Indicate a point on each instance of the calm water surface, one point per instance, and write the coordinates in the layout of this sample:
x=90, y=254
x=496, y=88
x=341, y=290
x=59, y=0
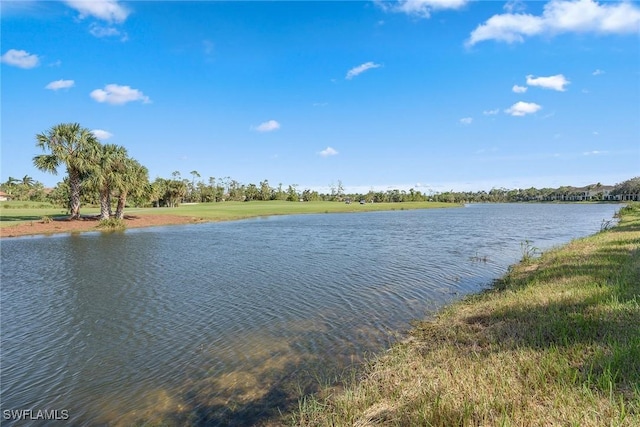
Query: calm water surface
x=222, y=323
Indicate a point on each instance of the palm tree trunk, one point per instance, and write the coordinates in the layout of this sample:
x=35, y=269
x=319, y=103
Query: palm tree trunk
x=122, y=200
x=109, y=204
x=104, y=204
x=74, y=188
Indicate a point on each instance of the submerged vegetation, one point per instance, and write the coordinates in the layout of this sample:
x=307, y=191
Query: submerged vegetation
x=555, y=342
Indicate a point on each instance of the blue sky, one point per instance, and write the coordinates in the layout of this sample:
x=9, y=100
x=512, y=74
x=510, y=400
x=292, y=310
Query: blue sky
x=434, y=94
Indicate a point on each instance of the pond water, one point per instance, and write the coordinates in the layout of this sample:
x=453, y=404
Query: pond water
x=228, y=323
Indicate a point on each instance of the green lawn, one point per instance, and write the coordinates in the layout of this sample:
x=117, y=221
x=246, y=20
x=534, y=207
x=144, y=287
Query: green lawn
x=239, y=210
x=16, y=212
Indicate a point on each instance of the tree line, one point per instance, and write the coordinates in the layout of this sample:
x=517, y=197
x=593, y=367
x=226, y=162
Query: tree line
x=105, y=175
x=595, y=192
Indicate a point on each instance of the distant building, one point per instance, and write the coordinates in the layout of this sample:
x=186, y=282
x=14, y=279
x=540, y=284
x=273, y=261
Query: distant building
x=589, y=193
x=4, y=196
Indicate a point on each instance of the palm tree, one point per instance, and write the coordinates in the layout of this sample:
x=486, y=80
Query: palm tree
x=10, y=184
x=73, y=146
x=107, y=173
x=11, y=181
x=135, y=182
x=157, y=191
x=27, y=181
x=195, y=174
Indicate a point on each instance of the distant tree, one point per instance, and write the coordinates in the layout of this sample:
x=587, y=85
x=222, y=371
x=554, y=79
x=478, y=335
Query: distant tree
x=266, y=191
x=194, y=174
x=10, y=184
x=193, y=191
x=71, y=145
x=310, y=196
x=251, y=192
x=59, y=196
x=292, y=193
x=332, y=190
x=156, y=192
x=168, y=192
x=27, y=181
x=37, y=192
x=11, y=181
x=629, y=187
x=236, y=190
x=280, y=193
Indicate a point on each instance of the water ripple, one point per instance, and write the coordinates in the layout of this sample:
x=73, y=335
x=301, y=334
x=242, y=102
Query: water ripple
x=120, y=327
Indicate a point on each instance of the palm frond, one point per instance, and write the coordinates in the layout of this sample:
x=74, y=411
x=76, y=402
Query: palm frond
x=47, y=163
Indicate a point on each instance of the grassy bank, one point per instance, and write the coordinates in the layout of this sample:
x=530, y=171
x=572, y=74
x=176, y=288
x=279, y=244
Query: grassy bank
x=12, y=213
x=555, y=342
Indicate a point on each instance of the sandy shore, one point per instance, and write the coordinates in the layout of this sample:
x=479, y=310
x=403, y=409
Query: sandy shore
x=90, y=223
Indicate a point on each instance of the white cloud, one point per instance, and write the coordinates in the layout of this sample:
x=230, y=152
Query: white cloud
x=557, y=82
x=523, y=108
x=60, y=84
x=466, y=120
x=508, y=28
x=421, y=8
x=597, y=72
x=593, y=153
x=589, y=15
x=268, y=126
x=560, y=16
x=514, y=6
x=101, y=134
x=328, y=152
x=491, y=112
x=118, y=95
x=519, y=89
x=360, y=69
x=20, y=58
x=105, y=10
x=99, y=31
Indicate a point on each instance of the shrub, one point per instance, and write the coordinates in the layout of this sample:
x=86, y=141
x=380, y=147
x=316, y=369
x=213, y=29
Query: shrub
x=112, y=224
x=528, y=251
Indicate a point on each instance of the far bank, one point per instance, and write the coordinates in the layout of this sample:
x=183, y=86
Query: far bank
x=23, y=219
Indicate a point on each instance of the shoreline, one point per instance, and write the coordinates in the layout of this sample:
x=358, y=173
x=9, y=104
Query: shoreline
x=32, y=224
x=89, y=224
x=555, y=341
